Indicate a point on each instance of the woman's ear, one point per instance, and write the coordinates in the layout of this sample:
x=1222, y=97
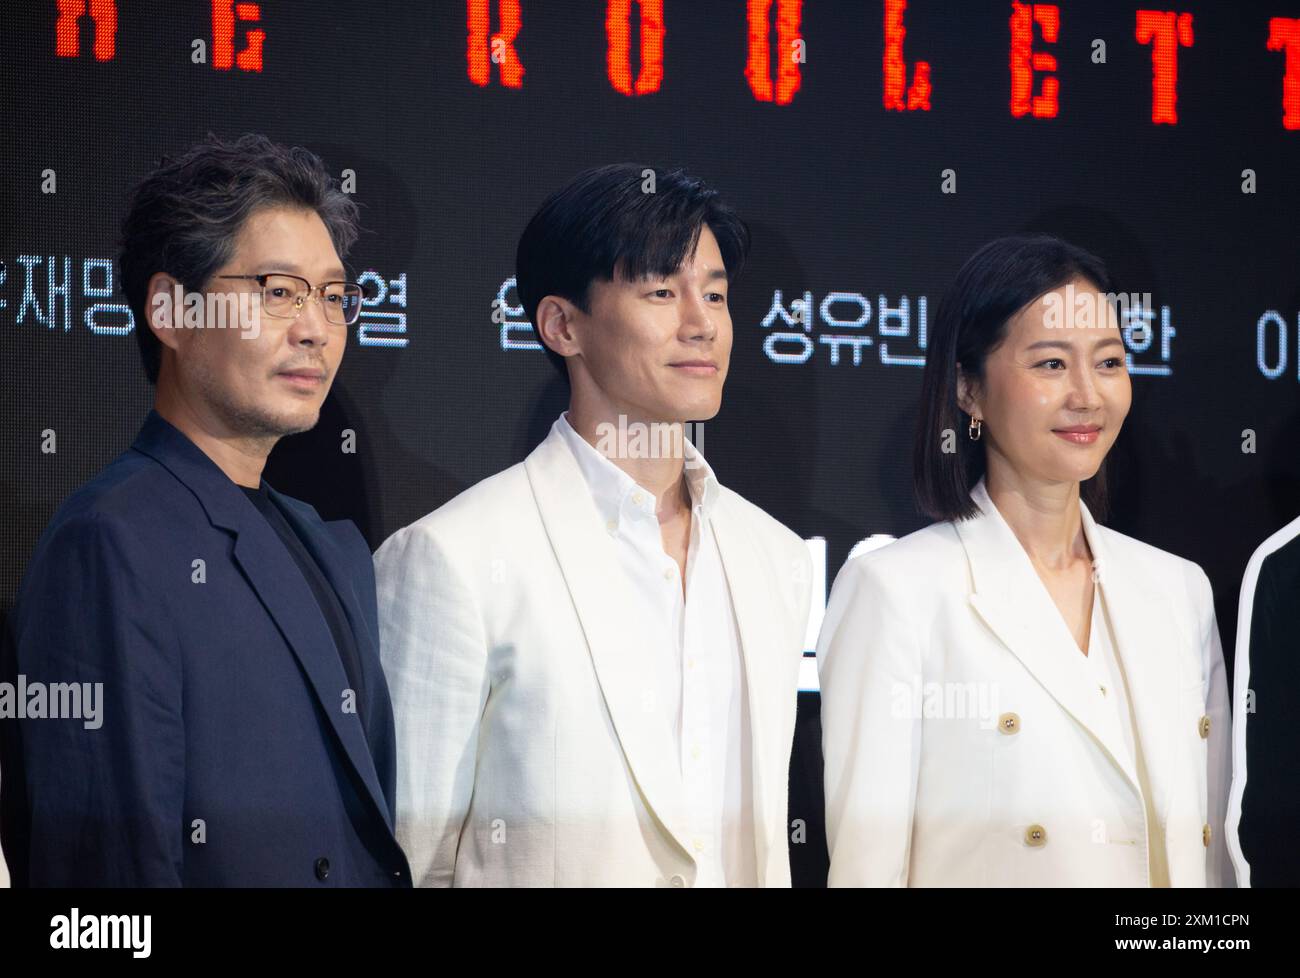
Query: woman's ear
x=968, y=394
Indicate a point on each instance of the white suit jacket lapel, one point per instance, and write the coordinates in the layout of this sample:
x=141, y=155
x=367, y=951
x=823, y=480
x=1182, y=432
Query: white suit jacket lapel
x=622, y=657
x=753, y=597
x=1146, y=637
x=1015, y=604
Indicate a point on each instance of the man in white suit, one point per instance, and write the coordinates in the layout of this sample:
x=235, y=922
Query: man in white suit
x=593, y=655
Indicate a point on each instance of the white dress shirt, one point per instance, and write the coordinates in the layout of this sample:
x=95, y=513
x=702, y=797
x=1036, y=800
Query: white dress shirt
x=700, y=682
x=1106, y=672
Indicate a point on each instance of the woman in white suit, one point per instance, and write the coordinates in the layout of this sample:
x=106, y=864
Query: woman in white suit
x=1017, y=695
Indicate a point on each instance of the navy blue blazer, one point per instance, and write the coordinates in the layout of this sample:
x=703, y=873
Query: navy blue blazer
x=226, y=753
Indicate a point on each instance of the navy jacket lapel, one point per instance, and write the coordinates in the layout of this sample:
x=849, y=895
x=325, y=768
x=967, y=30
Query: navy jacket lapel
x=279, y=584
x=332, y=561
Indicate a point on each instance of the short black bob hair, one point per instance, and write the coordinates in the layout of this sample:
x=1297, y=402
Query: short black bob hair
x=641, y=220
x=996, y=282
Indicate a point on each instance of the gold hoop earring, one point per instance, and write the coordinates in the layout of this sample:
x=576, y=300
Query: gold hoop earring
x=975, y=430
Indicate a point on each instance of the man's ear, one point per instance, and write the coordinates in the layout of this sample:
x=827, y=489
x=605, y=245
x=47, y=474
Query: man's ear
x=556, y=319
x=164, y=307
x=968, y=394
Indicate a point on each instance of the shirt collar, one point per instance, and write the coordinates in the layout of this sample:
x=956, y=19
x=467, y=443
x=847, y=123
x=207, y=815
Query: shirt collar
x=617, y=494
x=703, y=484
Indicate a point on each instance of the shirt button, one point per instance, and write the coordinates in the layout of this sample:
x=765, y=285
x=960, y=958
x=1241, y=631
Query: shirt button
x=677, y=882
x=668, y=575
x=1009, y=723
x=611, y=525
x=1205, y=834
x=1103, y=690
x=699, y=845
x=636, y=498
x=1035, y=836
x=322, y=869
x=1204, y=727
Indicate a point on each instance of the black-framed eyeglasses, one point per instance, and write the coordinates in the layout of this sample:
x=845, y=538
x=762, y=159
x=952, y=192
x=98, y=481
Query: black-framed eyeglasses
x=284, y=295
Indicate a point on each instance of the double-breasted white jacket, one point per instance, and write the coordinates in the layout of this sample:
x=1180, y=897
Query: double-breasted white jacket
x=964, y=746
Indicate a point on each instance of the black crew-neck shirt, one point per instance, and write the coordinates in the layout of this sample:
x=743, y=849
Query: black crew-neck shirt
x=331, y=608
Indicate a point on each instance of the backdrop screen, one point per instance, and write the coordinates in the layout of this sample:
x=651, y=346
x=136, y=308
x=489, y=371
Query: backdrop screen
x=871, y=146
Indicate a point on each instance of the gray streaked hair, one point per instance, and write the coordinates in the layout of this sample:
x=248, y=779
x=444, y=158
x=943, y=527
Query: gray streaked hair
x=185, y=216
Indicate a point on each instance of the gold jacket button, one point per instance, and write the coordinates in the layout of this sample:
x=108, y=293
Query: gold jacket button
x=1035, y=836
x=1009, y=723
x=1205, y=834
x=1204, y=727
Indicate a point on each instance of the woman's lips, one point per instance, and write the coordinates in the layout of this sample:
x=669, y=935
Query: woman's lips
x=1079, y=436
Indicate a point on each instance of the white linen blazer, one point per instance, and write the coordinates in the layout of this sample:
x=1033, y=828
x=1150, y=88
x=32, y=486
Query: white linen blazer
x=1032, y=786
x=529, y=749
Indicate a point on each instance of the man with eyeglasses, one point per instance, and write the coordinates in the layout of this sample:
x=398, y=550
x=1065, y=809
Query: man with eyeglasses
x=245, y=734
